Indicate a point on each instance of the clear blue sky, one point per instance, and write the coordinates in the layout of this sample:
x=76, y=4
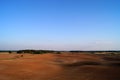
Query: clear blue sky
x=60, y=24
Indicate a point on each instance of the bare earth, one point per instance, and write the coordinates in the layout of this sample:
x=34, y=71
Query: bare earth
x=59, y=67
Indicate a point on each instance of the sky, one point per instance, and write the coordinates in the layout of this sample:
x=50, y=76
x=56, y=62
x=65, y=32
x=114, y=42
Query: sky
x=60, y=24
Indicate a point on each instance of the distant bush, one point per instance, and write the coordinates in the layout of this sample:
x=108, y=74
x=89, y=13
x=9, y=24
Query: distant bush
x=58, y=52
x=10, y=52
x=37, y=52
x=19, y=52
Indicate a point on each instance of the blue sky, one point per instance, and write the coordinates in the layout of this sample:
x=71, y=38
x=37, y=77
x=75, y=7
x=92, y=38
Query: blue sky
x=60, y=24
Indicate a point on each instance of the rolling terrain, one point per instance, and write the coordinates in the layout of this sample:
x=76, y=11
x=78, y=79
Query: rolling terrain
x=65, y=66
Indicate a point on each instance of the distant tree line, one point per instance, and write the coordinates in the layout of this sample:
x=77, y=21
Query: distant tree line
x=93, y=51
x=57, y=52
x=35, y=51
x=9, y=51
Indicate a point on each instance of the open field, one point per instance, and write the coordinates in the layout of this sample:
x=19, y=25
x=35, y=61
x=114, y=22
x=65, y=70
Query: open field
x=65, y=66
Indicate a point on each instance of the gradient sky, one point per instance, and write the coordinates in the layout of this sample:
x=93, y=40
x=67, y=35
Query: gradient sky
x=60, y=24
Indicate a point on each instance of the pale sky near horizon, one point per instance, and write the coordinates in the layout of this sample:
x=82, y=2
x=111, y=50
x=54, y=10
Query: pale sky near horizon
x=60, y=24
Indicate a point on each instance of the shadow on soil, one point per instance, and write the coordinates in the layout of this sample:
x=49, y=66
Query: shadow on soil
x=82, y=63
